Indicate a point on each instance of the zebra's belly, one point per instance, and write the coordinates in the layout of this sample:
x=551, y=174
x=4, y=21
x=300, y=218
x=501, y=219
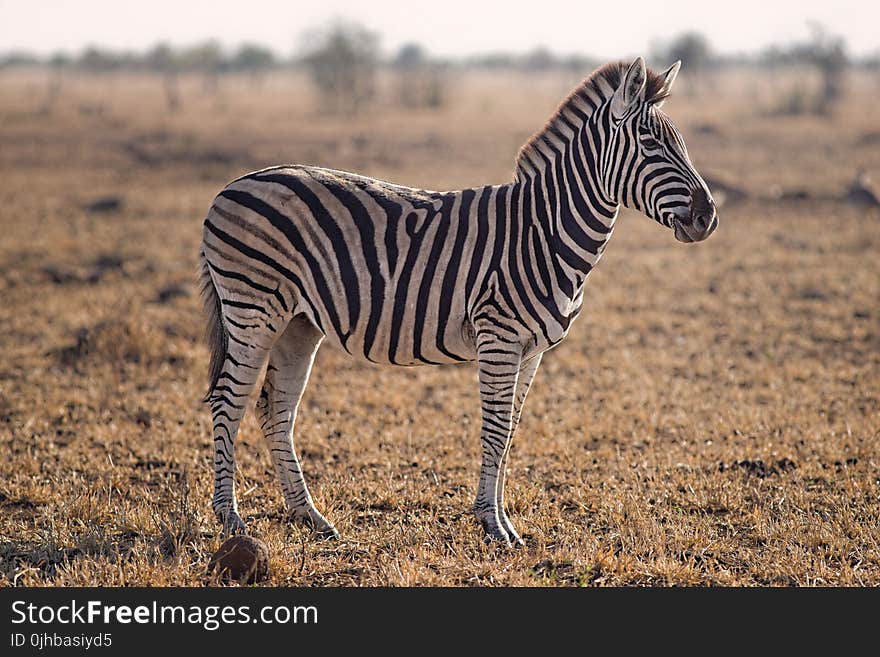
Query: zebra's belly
x=435, y=333
x=425, y=338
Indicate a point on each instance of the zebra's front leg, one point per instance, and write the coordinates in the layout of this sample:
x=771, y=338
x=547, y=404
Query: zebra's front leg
x=524, y=381
x=287, y=374
x=498, y=361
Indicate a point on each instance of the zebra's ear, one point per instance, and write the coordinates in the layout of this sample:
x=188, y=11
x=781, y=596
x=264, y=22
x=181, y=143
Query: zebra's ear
x=631, y=89
x=668, y=76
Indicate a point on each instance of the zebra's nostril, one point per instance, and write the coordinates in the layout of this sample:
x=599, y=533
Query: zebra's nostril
x=702, y=221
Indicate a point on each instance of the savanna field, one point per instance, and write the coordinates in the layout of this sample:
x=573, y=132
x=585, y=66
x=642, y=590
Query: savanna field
x=712, y=418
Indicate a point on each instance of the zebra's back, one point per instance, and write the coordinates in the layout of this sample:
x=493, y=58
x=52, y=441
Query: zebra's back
x=384, y=271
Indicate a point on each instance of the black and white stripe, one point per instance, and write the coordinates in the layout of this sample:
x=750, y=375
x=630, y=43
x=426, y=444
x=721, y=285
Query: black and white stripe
x=295, y=255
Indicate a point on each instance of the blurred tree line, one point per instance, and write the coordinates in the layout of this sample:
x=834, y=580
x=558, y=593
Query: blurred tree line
x=344, y=59
x=822, y=51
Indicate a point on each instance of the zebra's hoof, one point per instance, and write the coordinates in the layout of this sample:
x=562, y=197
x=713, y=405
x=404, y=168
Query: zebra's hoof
x=493, y=534
x=512, y=534
x=319, y=525
x=328, y=533
x=496, y=539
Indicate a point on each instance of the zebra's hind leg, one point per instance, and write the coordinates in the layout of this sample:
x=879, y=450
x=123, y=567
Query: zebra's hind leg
x=290, y=363
x=524, y=381
x=498, y=360
x=228, y=400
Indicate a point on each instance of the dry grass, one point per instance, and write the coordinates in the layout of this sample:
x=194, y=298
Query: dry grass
x=713, y=417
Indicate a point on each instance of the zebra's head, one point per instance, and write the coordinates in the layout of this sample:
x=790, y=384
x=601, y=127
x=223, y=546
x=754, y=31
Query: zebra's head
x=648, y=168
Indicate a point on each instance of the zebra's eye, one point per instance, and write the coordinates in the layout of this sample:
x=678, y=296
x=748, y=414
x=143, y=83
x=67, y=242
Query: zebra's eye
x=650, y=143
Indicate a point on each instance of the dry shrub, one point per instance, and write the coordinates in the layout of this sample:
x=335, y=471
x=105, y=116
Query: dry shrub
x=795, y=102
x=179, y=527
x=123, y=340
x=342, y=61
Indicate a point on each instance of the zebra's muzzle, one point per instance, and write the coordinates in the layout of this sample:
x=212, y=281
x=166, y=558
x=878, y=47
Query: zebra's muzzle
x=694, y=230
x=700, y=222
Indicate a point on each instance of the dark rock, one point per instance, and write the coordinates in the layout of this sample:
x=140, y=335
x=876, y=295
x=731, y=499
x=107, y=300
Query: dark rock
x=243, y=559
x=759, y=468
x=173, y=291
x=106, y=204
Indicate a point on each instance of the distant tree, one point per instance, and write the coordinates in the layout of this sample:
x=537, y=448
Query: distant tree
x=57, y=64
x=59, y=60
x=492, y=61
x=410, y=56
x=824, y=52
x=164, y=61
x=162, y=58
x=696, y=57
x=539, y=59
x=19, y=58
x=252, y=57
x=343, y=61
x=97, y=60
x=419, y=80
x=205, y=58
x=254, y=60
x=692, y=49
x=828, y=54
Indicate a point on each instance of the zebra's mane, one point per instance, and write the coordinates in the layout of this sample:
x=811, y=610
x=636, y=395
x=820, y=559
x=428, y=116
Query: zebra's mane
x=597, y=87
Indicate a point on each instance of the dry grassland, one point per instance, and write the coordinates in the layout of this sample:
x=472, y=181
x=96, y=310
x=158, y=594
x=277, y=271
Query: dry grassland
x=712, y=419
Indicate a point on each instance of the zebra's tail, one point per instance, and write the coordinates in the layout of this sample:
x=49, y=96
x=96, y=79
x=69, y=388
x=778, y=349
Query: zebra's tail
x=215, y=331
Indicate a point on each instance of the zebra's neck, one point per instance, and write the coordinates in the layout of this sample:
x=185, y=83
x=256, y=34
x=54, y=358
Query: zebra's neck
x=560, y=171
x=563, y=166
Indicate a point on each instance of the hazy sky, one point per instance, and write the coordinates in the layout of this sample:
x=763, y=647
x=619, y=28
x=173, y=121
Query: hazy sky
x=445, y=27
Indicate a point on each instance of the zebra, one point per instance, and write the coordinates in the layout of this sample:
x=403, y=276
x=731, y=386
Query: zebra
x=294, y=255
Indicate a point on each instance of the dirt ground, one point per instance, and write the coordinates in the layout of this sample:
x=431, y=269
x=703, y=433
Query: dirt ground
x=712, y=418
